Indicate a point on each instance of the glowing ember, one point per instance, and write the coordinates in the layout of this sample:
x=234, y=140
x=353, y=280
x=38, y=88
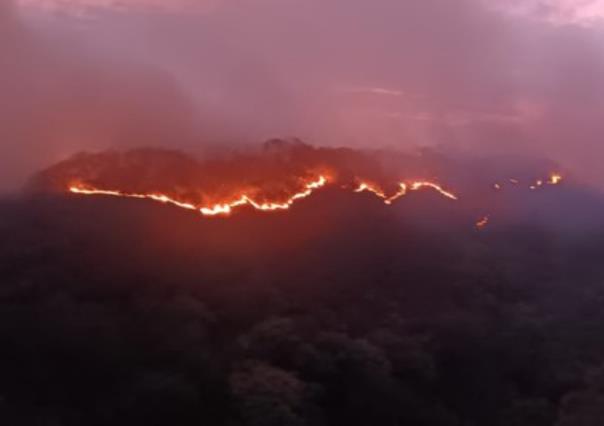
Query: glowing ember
x=554, y=179
x=482, y=223
x=156, y=197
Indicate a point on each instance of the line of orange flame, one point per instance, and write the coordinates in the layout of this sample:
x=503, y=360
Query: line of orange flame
x=309, y=188
x=227, y=208
x=404, y=188
x=215, y=210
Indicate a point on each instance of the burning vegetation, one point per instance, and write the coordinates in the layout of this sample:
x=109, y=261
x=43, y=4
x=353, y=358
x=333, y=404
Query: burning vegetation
x=272, y=179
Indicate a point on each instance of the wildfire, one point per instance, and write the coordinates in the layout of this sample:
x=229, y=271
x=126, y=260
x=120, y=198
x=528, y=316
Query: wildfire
x=419, y=185
x=225, y=209
x=368, y=187
x=400, y=193
x=404, y=188
x=309, y=187
x=82, y=190
x=555, y=179
x=482, y=223
x=215, y=210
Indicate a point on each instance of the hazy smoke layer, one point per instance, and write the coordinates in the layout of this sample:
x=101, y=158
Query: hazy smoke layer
x=462, y=74
x=60, y=96
x=275, y=170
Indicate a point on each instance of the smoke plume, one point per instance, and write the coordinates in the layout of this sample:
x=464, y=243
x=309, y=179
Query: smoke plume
x=520, y=78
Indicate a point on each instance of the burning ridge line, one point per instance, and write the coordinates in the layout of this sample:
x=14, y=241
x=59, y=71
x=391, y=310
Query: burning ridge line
x=225, y=209
x=214, y=210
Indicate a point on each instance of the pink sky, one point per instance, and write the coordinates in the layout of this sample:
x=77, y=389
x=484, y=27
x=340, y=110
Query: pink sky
x=575, y=11
x=465, y=74
x=582, y=12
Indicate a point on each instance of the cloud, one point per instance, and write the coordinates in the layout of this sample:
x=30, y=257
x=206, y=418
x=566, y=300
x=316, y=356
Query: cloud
x=91, y=8
x=559, y=12
x=380, y=91
x=585, y=12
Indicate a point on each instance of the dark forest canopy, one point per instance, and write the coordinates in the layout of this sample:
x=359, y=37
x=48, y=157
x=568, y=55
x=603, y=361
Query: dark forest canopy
x=120, y=312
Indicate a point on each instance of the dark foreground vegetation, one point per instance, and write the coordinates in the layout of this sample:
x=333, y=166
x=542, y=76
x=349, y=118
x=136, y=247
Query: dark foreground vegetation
x=117, y=312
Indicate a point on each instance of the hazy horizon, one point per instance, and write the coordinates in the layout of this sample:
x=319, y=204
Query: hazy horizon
x=522, y=78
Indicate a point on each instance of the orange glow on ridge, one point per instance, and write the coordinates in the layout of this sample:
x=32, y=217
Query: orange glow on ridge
x=404, y=188
x=226, y=208
x=215, y=210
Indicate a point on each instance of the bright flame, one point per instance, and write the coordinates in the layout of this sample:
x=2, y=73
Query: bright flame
x=419, y=185
x=217, y=209
x=400, y=193
x=368, y=187
x=554, y=179
x=224, y=209
x=227, y=208
x=404, y=188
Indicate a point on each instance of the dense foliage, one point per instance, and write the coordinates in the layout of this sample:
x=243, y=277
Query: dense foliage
x=124, y=313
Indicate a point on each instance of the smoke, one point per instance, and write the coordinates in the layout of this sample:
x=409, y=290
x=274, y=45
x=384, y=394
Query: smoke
x=461, y=75
x=61, y=96
x=276, y=172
